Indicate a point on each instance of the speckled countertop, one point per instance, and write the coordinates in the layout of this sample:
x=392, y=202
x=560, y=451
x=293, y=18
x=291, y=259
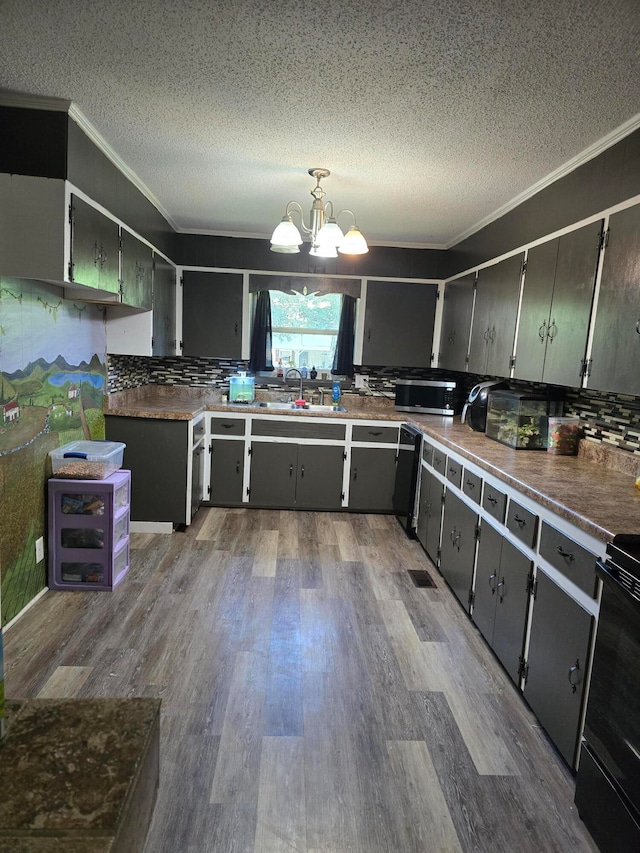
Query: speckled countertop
x=73, y=769
x=586, y=490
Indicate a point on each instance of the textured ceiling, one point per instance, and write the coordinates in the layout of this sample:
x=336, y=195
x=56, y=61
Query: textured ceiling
x=432, y=115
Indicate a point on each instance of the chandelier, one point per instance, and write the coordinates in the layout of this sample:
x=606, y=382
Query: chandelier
x=327, y=238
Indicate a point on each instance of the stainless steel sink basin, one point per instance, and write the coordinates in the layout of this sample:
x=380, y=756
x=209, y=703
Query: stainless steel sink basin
x=310, y=407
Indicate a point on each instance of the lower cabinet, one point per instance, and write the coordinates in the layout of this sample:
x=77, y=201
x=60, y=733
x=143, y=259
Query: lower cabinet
x=158, y=453
x=501, y=597
x=430, y=514
x=197, y=476
x=372, y=478
x=458, y=547
x=299, y=476
x=227, y=471
x=555, y=672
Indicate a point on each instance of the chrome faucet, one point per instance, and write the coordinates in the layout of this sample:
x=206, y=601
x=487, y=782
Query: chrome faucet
x=321, y=396
x=299, y=372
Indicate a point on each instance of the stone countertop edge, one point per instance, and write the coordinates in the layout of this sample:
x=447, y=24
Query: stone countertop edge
x=596, y=499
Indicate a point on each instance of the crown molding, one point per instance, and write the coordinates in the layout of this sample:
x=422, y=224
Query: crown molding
x=8, y=98
x=205, y=232
x=581, y=158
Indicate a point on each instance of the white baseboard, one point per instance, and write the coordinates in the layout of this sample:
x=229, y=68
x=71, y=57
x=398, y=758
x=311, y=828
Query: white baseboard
x=151, y=527
x=24, y=609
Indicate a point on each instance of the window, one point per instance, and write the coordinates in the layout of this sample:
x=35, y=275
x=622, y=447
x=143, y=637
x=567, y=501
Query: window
x=305, y=328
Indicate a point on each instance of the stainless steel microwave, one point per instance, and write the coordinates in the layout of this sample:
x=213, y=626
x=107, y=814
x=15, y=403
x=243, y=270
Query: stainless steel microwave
x=429, y=396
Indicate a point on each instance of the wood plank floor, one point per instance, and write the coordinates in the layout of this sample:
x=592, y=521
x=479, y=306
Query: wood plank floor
x=313, y=698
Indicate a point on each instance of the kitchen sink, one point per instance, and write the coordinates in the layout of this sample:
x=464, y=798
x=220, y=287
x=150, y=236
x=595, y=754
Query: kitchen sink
x=310, y=407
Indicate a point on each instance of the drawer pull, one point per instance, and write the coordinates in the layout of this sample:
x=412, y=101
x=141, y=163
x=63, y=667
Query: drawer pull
x=470, y=485
x=237, y=466
x=453, y=470
x=227, y=426
x=492, y=585
x=566, y=554
x=574, y=682
x=492, y=500
x=291, y=470
x=302, y=473
x=437, y=460
x=520, y=521
x=375, y=432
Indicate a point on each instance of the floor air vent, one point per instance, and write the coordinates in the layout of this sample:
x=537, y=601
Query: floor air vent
x=420, y=577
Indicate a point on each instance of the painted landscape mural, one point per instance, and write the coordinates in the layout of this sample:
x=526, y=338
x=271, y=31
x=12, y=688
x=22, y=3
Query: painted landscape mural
x=52, y=379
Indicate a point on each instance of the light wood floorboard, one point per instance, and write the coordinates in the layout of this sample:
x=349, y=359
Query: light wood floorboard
x=313, y=699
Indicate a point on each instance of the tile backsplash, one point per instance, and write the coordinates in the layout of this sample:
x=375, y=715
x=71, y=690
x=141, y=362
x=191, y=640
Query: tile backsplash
x=610, y=418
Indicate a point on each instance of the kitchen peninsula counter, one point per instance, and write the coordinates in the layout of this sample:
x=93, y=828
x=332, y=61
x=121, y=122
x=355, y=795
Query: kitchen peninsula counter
x=582, y=489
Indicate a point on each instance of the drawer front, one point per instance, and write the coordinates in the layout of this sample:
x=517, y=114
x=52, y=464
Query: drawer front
x=427, y=452
x=472, y=486
x=439, y=461
x=495, y=502
x=227, y=426
x=384, y=435
x=454, y=472
x=293, y=428
x=522, y=523
x=575, y=562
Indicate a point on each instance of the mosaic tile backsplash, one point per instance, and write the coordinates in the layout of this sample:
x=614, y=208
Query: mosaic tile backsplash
x=610, y=418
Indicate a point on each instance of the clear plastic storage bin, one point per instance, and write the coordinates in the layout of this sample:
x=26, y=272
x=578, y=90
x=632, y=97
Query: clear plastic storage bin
x=564, y=436
x=87, y=460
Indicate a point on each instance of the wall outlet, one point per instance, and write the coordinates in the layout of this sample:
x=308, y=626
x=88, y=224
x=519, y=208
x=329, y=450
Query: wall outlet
x=361, y=381
x=40, y=549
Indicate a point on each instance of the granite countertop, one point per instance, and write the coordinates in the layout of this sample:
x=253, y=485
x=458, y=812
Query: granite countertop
x=72, y=772
x=583, y=489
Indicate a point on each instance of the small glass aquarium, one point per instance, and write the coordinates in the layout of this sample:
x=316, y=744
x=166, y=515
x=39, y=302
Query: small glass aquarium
x=520, y=419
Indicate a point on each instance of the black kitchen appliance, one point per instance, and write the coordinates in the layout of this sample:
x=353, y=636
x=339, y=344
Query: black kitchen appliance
x=406, y=485
x=427, y=396
x=608, y=780
x=474, y=411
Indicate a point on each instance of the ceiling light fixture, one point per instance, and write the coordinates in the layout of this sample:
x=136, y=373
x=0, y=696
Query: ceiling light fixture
x=327, y=238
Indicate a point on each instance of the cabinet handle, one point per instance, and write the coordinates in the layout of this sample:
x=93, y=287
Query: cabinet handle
x=453, y=470
x=500, y=594
x=368, y=335
x=237, y=466
x=236, y=329
x=572, y=670
x=302, y=472
x=492, y=500
x=566, y=554
x=520, y=521
x=437, y=461
x=96, y=254
x=470, y=484
x=486, y=335
x=355, y=474
x=492, y=585
x=542, y=331
x=552, y=326
x=492, y=334
x=375, y=432
x=227, y=426
x=638, y=327
x=291, y=470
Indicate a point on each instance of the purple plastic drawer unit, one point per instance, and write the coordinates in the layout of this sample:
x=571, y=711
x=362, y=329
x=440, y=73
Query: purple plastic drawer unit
x=89, y=532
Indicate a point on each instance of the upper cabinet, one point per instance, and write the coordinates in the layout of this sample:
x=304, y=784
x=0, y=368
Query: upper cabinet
x=212, y=314
x=95, y=248
x=556, y=307
x=456, y=323
x=494, y=318
x=137, y=272
x=163, y=341
x=615, y=353
x=398, y=324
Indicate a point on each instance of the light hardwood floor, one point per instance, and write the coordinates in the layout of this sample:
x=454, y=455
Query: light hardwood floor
x=313, y=699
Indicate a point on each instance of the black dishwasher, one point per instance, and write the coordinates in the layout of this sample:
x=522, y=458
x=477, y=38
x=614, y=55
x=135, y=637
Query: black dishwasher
x=406, y=485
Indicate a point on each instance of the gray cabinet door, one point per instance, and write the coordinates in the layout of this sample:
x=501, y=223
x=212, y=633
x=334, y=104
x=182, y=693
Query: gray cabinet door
x=227, y=472
x=137, y=272
x=494, y=318
x=536, y=306
x=456, y=323
x=434, y=522
x=164, y=307
x=95, y=248
x=512, y=601
x=616, y=339
x=273, y=474
x=458, y=547
x=557, y=663
x=212, y=314
x=319, y=481
x=372, y=479
x=573, y=287
x=423, y=508
x=398, y=324
x=487, y=575
x=197, y=461
x=157, y=454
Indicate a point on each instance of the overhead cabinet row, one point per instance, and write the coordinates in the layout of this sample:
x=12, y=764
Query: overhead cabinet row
x=573, y=325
